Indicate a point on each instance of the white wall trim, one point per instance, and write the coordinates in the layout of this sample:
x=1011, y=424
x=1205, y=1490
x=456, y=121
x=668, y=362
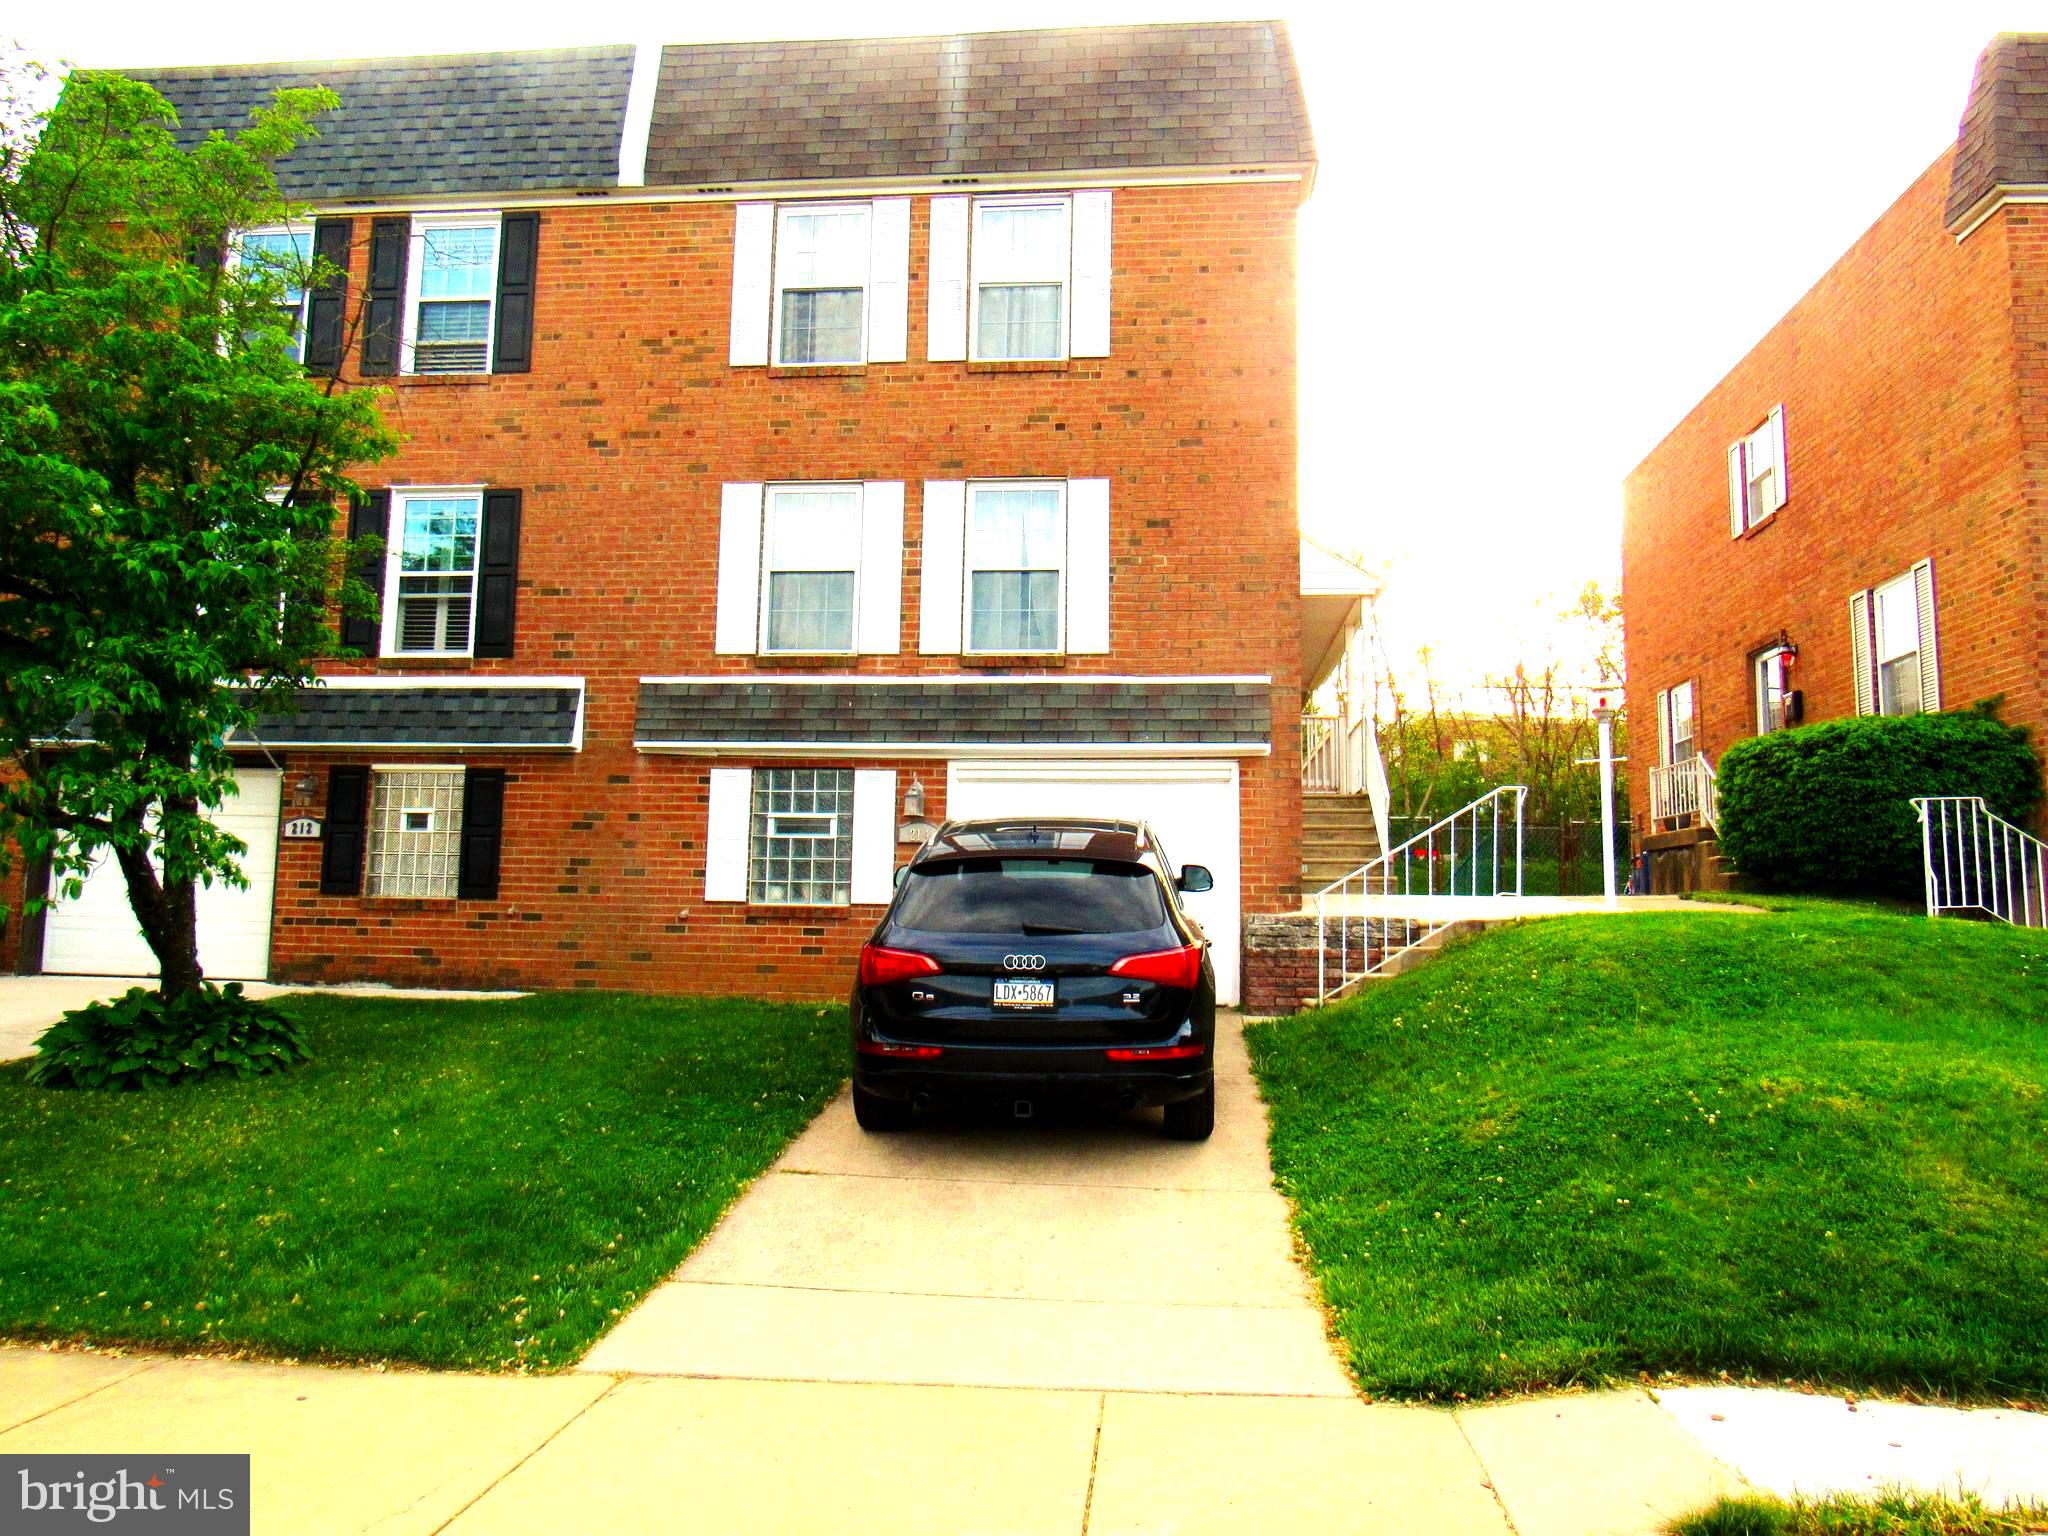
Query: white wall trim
x=639, y=121
x=829, y=751
x=441, y=680
x=1994, y=200
x=874, y=679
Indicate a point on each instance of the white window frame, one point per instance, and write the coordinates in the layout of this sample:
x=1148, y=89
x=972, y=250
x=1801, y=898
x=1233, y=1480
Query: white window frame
x=234, y=261
x=756, y=786
x=415, y=266
x=977, y=275
x=1904, y=589
x=1673, y=757
x=1759, y=687
x=374, y=847
x=968, y=567
x=783, y=213
x=1748, y=506
x=394, y=548
x=764, y=615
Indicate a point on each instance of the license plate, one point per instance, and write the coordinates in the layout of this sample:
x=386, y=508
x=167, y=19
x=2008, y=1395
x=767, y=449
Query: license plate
x=1023, y=994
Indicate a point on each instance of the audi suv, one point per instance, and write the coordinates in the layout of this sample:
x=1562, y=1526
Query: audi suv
x=1022, y=962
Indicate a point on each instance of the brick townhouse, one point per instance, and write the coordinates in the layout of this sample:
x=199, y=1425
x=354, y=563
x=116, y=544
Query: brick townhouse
x=804, y=442
x=1855, y=519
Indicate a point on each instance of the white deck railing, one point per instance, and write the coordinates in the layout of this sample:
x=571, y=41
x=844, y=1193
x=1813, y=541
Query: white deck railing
x=1383, y=909
x=1976, y=861
x=1322, y=753
x=1685, y=789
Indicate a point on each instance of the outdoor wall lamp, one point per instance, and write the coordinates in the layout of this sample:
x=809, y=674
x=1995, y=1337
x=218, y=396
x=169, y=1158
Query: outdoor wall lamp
x=913, y=801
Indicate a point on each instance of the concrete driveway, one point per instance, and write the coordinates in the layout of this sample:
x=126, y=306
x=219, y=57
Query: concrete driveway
x=1090, y=1254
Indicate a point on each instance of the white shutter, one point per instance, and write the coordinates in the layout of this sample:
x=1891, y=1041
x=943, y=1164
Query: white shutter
x=874, y=836
x=889, y=280
x=1088, y=329
x=879, y=628
x=739, y=569
x=1738, y=490
x=946, y=282
x=1087, y=567
x=1777, y=426
x=944, y=547
x=753, y=276
x=1664, y=726
x=727, y=828
x=1930, y=662
x=1860, y=653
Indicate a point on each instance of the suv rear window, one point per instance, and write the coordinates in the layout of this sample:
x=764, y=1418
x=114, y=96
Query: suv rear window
x=1002, y=895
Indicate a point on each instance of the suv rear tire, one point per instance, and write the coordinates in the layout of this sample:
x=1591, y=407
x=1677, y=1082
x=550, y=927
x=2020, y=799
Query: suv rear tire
x=874, y=1113
x=1192, y=1119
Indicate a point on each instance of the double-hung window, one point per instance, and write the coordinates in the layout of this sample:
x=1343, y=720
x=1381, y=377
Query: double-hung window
x=801, y=843
x=285, y=255
x=822, y=259
x=810, y=564
x=453, y=294
x=1678, y=731
x=430, y=571
x=1773, y=673
x=1022, y=258
x=1897, y=633
x=1756, y=474
x=1016, y=566
x=414, y=846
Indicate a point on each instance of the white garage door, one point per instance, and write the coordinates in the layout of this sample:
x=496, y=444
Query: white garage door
x=1191, y=805
x=96, y=934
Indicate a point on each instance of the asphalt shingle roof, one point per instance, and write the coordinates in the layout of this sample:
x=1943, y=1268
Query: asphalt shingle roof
x=1066, y=100
x=540, y=718
x=453, y=124
x=2003, y=140
x=1037, y=712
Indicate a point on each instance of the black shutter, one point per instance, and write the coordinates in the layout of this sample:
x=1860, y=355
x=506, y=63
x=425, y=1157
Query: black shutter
x=497, y=576
x=385, y=316
x=483, y=834
x=518, y=245
x=327, y=304
x=343, y=836
x=368, y=516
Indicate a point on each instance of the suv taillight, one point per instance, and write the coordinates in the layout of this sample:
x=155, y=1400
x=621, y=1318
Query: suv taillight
x=879, y=966
x=1169, y=967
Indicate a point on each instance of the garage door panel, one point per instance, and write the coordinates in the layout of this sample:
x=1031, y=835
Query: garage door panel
x=1191, y=804
x=95, y=933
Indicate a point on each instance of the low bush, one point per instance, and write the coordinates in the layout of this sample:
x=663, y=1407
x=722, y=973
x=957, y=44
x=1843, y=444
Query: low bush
x=140, y=1041
x=1829, y=807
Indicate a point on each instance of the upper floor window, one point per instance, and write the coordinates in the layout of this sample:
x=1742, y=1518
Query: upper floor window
x=453, y=293
x=431, y=564
x=1756, y=474
x=287, y=256
x=1016, y=563
x=810, y=567
x=1772, y=670
x=1022, y=255
x=450, y=293
x=822, y=262
x=1892, y=644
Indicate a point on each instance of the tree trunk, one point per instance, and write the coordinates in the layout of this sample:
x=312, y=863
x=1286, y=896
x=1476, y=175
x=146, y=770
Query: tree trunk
x=167, y=912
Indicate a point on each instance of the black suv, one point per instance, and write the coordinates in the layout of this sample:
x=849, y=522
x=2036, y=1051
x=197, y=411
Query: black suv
x=1023, y=961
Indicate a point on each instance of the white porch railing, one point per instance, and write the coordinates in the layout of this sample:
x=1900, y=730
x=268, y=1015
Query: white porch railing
x=1685, y=789
x=1385, y=908
x=1322, y=753
x=1976, y=861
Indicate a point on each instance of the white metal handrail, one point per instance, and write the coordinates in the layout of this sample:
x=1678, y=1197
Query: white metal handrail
x=1685, y=788
x=1428, y=866
x=1976, y=861
x=1322, y=753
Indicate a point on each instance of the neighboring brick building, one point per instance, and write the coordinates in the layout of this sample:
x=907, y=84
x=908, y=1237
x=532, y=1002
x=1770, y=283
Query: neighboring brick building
x=1855, y=520
x=803, y=441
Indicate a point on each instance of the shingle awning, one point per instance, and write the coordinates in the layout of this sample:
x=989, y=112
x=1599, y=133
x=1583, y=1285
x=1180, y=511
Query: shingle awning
x=466, y=715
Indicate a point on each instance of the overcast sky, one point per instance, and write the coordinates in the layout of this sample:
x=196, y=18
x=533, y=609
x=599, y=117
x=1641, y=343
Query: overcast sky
x=1539, y=232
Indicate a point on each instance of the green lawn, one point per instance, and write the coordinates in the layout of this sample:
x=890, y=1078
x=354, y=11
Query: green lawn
x=1811, y=1143
x=482, y=1184
x=1892, y=1515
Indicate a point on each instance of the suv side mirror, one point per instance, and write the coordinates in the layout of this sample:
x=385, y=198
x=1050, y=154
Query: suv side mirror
x=1195, y=878
x=902, y=870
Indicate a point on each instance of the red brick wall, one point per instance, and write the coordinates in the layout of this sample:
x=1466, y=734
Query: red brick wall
x=621, y=438
x=1908, y=436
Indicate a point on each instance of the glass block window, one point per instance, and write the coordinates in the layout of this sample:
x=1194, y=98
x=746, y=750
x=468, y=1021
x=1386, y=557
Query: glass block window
x=458, y=285
x=810, y=552
x=415, y=844
x=433, y=550
x=1016, y=557
x=802, y=842
x=286, y=256
x=1021, y=257
x=821, y=279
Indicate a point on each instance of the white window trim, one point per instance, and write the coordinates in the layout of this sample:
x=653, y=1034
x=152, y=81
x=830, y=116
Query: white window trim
x=753, y=785
x=394, y=547
x=968, y=568
x=234, y=261
x=783, y=212
x=1756, y=677
x=1742, y=454
x=1065, y=201
x=763, y=571
x=1906, y=587
x=415, y=262
x=1671, y=719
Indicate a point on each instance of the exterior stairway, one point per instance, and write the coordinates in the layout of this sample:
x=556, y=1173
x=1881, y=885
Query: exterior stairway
x=1337, y=836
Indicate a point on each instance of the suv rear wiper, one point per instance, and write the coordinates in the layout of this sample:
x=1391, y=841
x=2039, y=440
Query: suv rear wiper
x=1042, y=930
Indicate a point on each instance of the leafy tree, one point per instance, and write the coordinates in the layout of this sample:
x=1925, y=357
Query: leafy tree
x=168, y=476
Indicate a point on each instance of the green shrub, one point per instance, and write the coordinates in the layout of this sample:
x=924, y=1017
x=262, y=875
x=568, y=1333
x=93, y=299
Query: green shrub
x=1828, y=807
x=138, y=1041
